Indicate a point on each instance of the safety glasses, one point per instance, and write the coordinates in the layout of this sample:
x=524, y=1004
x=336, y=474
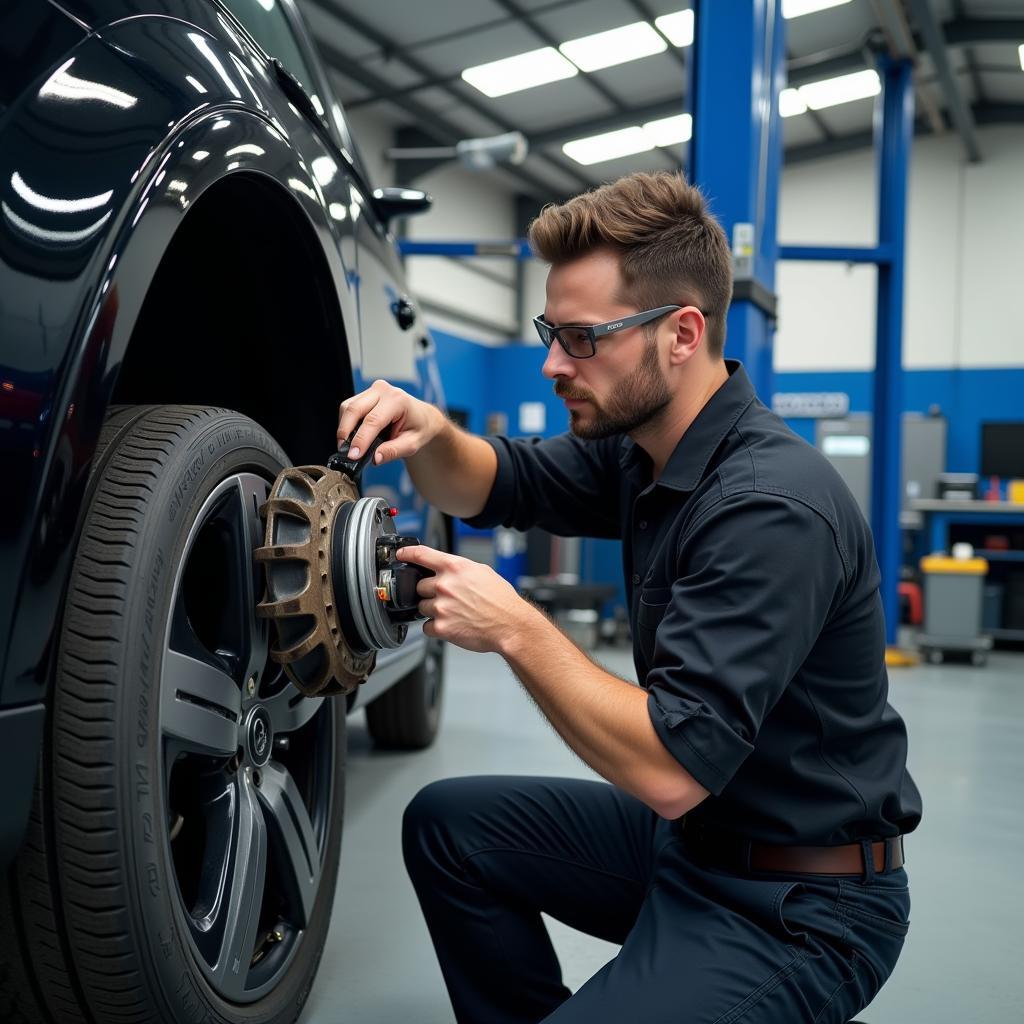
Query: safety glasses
x=580, y=340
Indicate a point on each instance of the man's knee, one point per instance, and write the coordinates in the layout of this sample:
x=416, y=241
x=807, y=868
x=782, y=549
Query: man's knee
x=430, y=822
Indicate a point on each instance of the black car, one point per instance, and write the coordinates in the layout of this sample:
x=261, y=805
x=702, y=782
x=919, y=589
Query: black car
x=194, y=272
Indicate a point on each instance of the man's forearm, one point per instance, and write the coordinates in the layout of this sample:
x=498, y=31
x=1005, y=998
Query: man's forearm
x=455, y=471
x=604, y=719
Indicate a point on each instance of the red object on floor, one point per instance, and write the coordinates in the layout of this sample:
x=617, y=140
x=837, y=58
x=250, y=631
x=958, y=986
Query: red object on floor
x=915, y=604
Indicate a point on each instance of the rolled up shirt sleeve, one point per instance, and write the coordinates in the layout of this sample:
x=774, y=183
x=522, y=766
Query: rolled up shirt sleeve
x=758, y=577
x=565, y=485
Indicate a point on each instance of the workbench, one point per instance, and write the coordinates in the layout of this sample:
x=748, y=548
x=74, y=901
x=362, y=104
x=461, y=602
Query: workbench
x=940, y=515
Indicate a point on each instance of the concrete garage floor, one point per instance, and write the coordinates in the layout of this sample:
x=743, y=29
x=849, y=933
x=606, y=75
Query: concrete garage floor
x=962, y=961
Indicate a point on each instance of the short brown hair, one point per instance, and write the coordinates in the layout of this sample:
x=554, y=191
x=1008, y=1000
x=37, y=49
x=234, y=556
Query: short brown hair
x=671, y=249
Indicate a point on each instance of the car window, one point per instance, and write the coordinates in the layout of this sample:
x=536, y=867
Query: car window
x=268, y=24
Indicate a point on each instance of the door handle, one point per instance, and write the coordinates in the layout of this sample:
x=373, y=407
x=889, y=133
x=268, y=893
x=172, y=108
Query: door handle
x=404, y=312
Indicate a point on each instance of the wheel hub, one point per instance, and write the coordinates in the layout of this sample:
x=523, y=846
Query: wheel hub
x=258, y=739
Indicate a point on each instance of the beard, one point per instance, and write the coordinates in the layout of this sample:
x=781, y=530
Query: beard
x=633, y=403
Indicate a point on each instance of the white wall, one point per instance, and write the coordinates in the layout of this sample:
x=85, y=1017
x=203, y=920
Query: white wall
x=964, y=268
x=467, y=207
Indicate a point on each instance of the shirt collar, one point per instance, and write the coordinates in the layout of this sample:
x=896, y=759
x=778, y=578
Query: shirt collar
x=689, y=460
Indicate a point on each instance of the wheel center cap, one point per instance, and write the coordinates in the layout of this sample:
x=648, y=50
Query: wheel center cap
x=259, y=736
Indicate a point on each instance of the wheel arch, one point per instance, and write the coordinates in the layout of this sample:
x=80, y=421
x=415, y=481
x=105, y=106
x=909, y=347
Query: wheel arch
x=242, y=313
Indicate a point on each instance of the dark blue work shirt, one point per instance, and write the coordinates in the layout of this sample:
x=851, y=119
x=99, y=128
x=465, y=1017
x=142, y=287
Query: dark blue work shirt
x=757, y=622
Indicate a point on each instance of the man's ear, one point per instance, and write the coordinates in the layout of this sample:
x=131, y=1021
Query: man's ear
x=690, y=327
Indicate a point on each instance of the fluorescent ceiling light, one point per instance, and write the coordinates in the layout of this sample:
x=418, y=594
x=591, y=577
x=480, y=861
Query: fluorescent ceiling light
x=524, y=71
x=1020, y=51
x=670, y=131
x=616, y=46
x=833, y=91
x=797, y=8
x=791, y=103
x=677, y=26
x=595, y=148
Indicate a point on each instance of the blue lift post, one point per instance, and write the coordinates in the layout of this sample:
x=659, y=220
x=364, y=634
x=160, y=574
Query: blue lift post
x=736, y=70
x=894, y=127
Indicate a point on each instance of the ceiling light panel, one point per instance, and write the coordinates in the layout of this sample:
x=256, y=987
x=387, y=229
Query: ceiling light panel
x=523, y=71
x=833, y=91
x=670, y=131
x=791, y=103
x=1020, y=53
x=616, y=46
x=678, y=26
x=596, y=148
x=798, y=8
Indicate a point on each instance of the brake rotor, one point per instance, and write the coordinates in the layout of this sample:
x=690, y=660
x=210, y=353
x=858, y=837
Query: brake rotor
x=311, y=645
x=336, y=591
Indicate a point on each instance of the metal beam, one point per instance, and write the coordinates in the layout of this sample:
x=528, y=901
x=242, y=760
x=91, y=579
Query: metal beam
x=964, y=31
x=998, y=113
x=903, y=45
x=959, y=111
x=595, y=84
x=378, y=38
x=972, y=67
x=606, y=122
x=450, y=36
x=892, y=154
x=446, y=131
x=984, y=113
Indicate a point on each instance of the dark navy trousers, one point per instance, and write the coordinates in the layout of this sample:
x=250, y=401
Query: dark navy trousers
x=487, y=854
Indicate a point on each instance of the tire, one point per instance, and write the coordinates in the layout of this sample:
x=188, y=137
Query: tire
x=182, y=852
x=407, y=715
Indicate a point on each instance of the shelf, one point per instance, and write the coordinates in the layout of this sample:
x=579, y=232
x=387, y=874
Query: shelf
x=944, y=505
x=1006, y=634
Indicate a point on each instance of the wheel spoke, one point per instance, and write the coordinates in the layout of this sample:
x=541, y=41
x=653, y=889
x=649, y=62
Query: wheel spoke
x=245, y=636
x=290, y=711
x=238, y=912
x=293, y=841
x=245, y=535
x=200, y=705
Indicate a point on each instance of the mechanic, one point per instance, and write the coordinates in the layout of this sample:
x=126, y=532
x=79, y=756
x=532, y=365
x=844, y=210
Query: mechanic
x=746, y=849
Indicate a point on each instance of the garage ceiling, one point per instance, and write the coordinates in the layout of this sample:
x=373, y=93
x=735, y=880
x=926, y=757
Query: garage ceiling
x=404, y=62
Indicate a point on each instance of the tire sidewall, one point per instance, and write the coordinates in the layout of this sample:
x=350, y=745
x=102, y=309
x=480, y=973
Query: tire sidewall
x=225, y=444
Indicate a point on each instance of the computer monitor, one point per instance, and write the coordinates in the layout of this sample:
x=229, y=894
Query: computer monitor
x=1002, y=449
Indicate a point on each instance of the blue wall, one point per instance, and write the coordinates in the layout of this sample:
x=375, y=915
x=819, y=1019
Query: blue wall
x=966, y=397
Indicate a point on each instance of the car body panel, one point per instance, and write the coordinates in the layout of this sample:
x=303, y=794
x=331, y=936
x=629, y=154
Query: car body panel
x=102, y=152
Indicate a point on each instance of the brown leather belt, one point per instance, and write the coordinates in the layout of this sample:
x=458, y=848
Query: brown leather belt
x=737, y=854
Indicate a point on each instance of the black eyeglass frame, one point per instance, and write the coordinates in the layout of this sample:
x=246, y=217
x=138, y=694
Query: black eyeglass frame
x=548, y=333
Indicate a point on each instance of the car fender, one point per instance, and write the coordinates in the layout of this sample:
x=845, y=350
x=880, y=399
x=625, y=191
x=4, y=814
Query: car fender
x=74, y=270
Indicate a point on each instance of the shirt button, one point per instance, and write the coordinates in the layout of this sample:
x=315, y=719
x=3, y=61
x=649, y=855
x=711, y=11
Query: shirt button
x=636, y=579
x=642, y=524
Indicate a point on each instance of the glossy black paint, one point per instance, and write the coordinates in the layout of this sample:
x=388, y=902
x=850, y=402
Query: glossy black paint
x=115, y=118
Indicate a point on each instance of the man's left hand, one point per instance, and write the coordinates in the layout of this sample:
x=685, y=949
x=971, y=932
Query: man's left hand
x=466, y=603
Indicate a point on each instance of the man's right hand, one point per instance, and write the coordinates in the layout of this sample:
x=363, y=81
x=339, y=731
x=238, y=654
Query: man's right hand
x=413, y=423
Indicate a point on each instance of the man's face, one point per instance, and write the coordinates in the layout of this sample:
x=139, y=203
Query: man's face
x=622, y=387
